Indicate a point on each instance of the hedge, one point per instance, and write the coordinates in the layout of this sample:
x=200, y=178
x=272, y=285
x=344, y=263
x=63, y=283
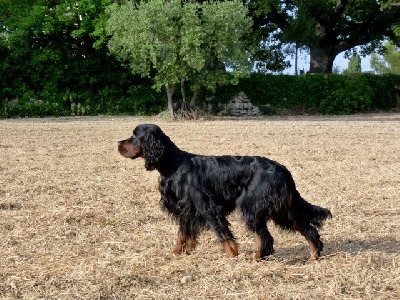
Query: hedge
x=318, y=93
x=136, y=100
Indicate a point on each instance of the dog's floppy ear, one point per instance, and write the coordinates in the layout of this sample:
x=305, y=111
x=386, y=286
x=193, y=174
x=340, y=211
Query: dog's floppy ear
x=153, y=148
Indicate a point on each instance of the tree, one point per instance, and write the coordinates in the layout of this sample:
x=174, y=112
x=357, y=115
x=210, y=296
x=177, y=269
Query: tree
x=354, y=65
x=328, y=27
x=48, y=51
x=177, y=42
x=388, y=63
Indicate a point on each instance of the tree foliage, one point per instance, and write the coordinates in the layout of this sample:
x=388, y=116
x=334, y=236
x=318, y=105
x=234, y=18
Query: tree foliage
x=328, y=27
x=47, y=53
x=177, y=42
x=54, y=56
x=389, y=62
x=354, y=65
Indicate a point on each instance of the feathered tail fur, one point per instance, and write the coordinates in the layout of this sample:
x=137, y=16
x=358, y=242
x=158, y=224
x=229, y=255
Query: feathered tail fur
x=307, y=212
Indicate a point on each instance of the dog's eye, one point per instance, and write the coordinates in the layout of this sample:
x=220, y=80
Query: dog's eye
x=135, y=141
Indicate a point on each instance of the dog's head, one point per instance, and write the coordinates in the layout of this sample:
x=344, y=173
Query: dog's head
x=146, y=142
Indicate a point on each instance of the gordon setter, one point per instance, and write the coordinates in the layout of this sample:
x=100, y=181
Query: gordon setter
x=200, y=191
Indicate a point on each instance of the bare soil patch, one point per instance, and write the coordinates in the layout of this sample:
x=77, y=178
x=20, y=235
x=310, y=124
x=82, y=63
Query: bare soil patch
x=77, y=220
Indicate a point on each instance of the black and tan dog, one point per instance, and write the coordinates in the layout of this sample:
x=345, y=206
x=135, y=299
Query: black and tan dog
x=200, y=191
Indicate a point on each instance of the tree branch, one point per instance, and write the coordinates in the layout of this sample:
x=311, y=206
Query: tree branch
x=277, y=18
x=362, y=33
x=339, y=9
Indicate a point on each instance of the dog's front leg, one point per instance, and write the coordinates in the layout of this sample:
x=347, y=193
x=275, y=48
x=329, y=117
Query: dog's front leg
x=180, y=243
x=184, y=243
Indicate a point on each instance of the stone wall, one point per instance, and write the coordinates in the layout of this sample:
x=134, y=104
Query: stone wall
x=240, y=105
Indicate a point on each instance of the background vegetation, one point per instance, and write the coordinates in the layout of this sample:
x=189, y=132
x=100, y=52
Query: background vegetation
x=55, y=58
x=275, y=94
x=318, y=93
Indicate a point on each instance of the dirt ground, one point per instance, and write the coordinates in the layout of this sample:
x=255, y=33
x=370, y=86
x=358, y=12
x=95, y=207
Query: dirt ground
x=78, y=221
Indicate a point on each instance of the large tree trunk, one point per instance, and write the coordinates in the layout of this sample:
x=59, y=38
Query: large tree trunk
x=170, y=93
x=321, y=60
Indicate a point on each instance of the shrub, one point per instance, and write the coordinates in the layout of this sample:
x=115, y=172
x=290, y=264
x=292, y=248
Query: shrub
x=31, y=107
x=353, y=96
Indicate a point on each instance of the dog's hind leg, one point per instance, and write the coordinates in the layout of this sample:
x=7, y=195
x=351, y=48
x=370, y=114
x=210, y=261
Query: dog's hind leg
x=230, y=247
x=265, y=243
x=257, y=222
x=312, y=236
x=265, y=246
x=306, y=218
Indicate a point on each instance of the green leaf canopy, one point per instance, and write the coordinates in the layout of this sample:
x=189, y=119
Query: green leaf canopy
x=178, y=40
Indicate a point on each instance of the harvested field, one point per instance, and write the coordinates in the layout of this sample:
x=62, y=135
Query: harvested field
x=78, y=221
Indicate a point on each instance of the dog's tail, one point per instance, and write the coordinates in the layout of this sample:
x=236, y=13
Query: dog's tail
x=305, y=211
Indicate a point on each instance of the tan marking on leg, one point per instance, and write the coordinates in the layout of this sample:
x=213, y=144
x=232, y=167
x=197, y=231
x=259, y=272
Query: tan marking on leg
x=234, y=247
x=190, y=244
x=226, y=245
x=257, y=255
x=313, y=251
x=180, y=244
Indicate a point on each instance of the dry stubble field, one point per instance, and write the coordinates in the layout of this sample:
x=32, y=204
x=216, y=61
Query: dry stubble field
x=78, y=221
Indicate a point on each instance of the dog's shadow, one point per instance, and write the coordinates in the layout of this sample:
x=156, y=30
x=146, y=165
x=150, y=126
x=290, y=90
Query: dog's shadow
x=386, y=245
x=347, y=246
